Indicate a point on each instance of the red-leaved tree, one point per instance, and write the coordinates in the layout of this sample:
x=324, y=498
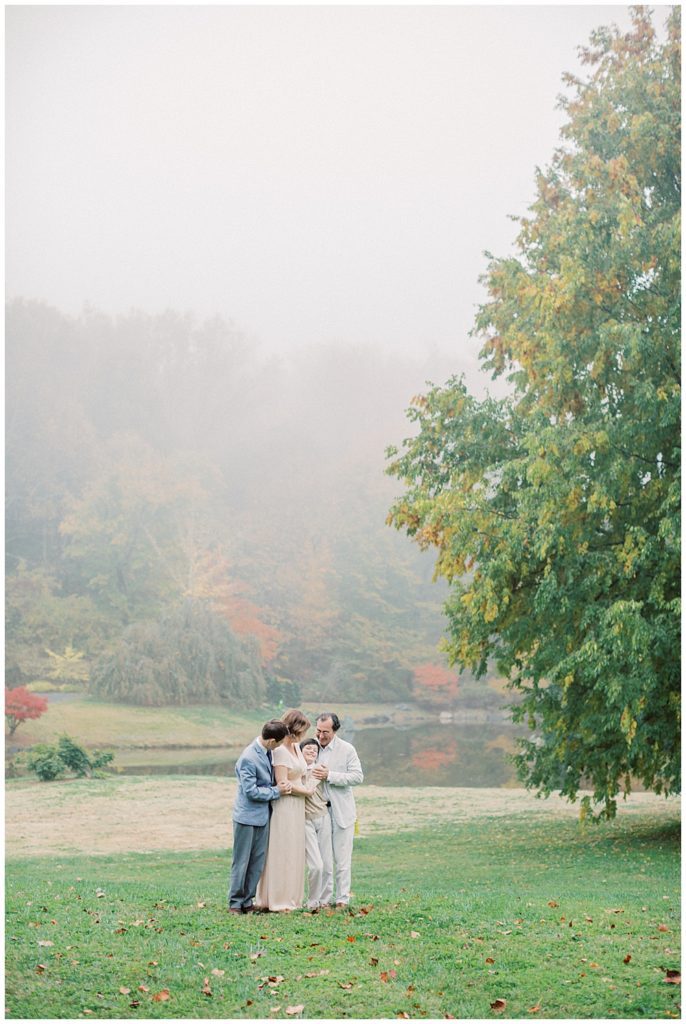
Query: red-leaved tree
x=21, y=704
x=434, y=685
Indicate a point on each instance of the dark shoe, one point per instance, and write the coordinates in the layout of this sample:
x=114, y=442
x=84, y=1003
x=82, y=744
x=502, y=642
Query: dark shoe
x=235, y=910
x=249, y=910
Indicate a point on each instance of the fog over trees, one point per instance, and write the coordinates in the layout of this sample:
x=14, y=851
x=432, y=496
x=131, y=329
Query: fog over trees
x=192, y=518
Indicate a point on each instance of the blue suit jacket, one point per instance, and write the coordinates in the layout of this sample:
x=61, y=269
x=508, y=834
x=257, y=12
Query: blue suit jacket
x=255, y=789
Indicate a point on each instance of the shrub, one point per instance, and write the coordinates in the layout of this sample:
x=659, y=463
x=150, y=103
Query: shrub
x=46, y=762
x=53, y=762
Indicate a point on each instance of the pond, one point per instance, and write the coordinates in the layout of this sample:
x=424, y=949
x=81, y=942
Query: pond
x=433, y=754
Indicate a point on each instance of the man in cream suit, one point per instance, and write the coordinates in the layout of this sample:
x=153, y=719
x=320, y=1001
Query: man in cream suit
x=339, y=768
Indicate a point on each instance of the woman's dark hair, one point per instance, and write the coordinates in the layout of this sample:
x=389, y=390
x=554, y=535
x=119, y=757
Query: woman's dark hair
x=274, y=729
x=335, y=721
x=311, y=742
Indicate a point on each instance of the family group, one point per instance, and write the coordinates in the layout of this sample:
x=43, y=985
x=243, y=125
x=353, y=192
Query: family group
x=294, y=815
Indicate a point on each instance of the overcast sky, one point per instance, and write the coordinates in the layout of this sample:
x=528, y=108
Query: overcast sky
x=314, y=173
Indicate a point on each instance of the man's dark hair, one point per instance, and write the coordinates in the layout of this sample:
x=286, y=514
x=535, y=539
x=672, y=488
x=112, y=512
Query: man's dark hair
x=335, y=721
x=311, y=742
x=274, y=730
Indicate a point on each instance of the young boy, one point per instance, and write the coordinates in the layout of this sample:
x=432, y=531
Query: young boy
x=318, y=849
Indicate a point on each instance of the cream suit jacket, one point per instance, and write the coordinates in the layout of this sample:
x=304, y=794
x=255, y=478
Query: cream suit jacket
x=345, y=771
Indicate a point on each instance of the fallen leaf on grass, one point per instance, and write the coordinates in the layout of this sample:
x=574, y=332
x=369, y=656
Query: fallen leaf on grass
x=272, y=980
x=218, y=973
x=124, y=991
x=40, y=968
x=293, y=1010
x=490, y=960
x=161, y=997
x=274, y=1009
x=351, y=938
x=662, y=928
x=385, y=975
x=45, y=942
x=403, y=1015
x=367, y=909
x=594, y=965
x=414, y=935
x=135, y=1003
x=201, y=905
x=373, y=960
x=627, y=958
x=345, y=984
x=143, y=988
x=614, y=910
x=499, y=1005
x=535, y=1009
x=206, y=990
x=553, y=903
x=673, y=977
x=255, y=956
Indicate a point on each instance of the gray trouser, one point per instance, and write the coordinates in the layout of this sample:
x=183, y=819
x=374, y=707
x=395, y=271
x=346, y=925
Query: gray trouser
x=249, y=855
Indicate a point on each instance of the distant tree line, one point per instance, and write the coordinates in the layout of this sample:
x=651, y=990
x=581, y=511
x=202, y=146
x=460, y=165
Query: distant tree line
x=191, y=520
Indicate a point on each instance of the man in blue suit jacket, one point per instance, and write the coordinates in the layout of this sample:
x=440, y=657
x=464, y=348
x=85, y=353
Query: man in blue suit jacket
x=251, y=810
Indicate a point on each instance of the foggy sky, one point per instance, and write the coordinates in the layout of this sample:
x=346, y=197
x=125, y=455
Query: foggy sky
x=316, y=174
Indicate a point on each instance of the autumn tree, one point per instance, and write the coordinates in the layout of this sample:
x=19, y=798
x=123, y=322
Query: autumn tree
x=20, y=705
x=188, y=656
x=555, y=511
x=435, y=685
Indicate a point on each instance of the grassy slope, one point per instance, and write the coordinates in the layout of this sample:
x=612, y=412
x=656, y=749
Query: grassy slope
x=95, y=723
x=540, y=914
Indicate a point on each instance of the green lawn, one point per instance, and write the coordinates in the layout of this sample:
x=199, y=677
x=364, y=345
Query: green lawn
x=554, y=920
x=96, y=723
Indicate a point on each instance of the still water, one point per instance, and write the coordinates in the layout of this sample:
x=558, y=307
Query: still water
x=434, y=754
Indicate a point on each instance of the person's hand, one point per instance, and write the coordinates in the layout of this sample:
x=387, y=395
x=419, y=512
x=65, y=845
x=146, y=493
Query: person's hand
x=320, y=771
x=284, y=788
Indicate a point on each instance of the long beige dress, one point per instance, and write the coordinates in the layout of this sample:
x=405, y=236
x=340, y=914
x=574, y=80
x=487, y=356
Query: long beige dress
x=282, y=885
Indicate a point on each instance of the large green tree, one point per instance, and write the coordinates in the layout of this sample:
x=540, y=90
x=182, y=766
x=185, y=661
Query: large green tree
x=555, y=510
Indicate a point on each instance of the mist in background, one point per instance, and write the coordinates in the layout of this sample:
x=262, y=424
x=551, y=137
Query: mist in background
x=316, y=173
x=239, y=240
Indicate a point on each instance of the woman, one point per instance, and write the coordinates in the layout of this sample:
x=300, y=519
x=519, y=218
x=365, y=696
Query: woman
x=282, y=885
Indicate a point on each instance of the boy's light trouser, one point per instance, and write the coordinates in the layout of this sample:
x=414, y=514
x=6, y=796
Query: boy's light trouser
x=317, y=852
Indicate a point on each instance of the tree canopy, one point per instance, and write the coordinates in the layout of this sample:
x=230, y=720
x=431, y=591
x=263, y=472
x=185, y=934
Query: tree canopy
x=555, y=510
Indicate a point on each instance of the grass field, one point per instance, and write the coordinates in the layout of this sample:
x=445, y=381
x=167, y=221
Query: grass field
x=123, y=726
x=550, y=919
